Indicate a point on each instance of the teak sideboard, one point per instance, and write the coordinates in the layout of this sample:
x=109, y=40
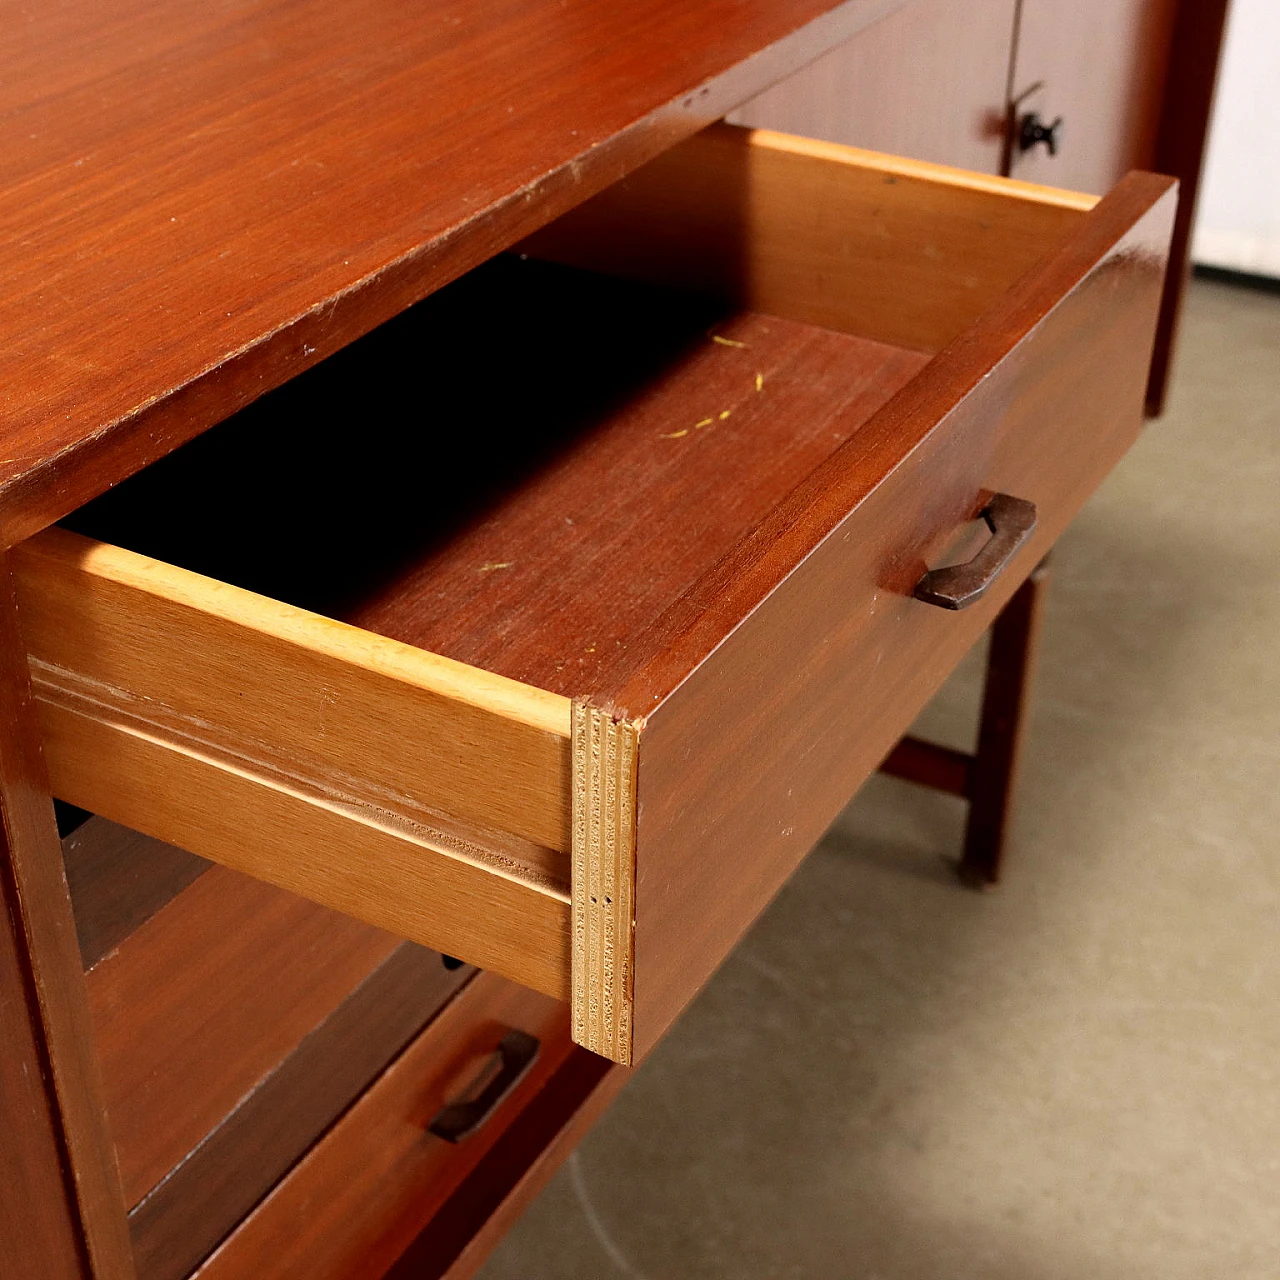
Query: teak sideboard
x=482, y=485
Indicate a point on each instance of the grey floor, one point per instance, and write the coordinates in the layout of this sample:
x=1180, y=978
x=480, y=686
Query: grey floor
x=1077, y=1077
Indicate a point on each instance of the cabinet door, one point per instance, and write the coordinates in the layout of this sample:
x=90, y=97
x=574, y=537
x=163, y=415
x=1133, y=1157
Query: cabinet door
x=1099, y=65
x=929, y=82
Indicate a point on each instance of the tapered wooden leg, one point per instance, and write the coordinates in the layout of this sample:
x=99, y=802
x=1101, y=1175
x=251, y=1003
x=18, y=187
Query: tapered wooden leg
x=987, y=777
x=1006, y=704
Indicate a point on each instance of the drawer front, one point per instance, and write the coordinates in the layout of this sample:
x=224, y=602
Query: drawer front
x=608, y=841
x=808, y=654
x=357, y=1200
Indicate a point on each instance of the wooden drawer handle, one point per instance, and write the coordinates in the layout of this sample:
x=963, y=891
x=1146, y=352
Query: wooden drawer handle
x=1011, y=521
x=516, y=1053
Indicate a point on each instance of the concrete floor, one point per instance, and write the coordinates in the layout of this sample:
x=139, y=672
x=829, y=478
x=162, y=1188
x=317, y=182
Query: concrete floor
x=1077, y=1077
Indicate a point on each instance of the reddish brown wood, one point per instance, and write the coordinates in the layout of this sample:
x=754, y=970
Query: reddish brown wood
x=987, y=777
x=469, y=1225
x=196, y=207
x=930, y=764
x=1134, y=80
x=1006, y=705
x=40, y=1236
x=1101, y=67
x=202, y=1200
x=1181, y=140
x=929, y=82
x=587, y=498
x=765, y=734
x=204, y=1001
x=55, y=1108
x=118, y=880
x=364, y=1192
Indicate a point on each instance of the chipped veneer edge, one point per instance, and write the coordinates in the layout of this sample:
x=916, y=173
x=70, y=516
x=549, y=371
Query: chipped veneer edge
x=603, y=880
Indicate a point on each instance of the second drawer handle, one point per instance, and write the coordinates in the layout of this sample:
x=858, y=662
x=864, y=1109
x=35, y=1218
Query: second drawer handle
x=456, y=1120
x=1011, y=521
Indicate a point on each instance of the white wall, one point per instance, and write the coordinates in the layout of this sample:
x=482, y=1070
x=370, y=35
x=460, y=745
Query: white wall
x=1238, y=223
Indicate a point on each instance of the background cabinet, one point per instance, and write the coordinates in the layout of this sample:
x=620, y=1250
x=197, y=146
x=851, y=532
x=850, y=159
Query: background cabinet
x=950, y=81
x=929, y=81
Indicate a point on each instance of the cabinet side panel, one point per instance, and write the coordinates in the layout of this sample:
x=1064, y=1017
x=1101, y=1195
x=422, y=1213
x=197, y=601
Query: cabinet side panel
x=43, y=942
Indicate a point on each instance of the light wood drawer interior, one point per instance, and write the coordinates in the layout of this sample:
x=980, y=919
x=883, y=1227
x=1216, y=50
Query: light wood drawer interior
x=393, y=637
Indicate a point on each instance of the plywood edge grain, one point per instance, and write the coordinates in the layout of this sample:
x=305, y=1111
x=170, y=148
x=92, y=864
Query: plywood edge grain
x=604, y=821
x=313, y=695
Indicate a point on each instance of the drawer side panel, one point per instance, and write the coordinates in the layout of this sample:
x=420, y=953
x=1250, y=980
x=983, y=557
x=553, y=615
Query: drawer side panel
x=308, y=695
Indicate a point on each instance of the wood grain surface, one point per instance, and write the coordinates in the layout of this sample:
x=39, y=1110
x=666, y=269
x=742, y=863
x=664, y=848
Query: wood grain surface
x=204, y=1000
x=362, y=1194
x=119, y=879
x=61, y=1103
x=625, y=439
x=178, y=1223
x=194, y=207
x=929, y=82
x=1101, y=66
x=369, y=720
x=809, y=656
x=40, y=1232
x=371, y=866
x=1181, y=141
x=463, y=1232
x=894, y=250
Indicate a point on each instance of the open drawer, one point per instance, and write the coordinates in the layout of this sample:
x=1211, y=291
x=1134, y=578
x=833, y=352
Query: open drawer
x=550, y=624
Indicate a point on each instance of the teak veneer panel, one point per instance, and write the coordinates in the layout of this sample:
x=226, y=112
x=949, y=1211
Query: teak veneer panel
x=54, y=1128
x=118, y=880
x=194, y=207
x=808, y=655
x=362, y=1194
x=179, y=1222
x=203, y=1000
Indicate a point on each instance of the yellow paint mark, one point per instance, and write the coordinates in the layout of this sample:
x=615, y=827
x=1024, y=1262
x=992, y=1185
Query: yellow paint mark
x=495, y=564
x=726, y=342
x=759, y=381
x=706, y=422
x=724, y=413
x=676, y=435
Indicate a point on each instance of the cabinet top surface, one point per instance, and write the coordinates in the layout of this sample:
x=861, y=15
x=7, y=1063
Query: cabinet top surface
x=198, y=201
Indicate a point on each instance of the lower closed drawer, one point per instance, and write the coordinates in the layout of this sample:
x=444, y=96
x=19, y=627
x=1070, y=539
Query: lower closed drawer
x=550, y=624
x=363, y=1193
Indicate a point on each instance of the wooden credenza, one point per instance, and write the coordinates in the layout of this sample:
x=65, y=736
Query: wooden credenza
x=472, y=518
